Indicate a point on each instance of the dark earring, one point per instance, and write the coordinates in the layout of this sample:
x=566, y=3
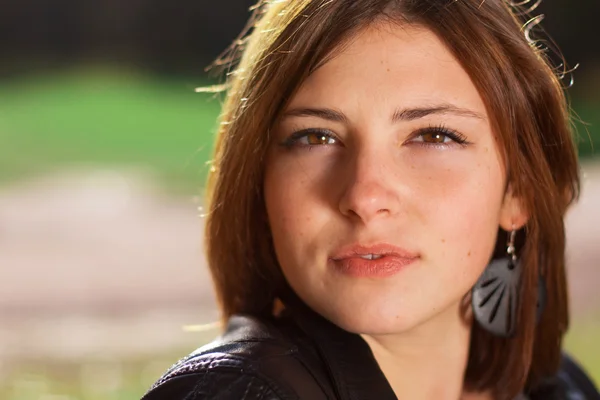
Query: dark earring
x=494, y=297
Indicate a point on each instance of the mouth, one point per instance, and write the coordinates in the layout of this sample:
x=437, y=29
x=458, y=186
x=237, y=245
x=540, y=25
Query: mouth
x=376, y=261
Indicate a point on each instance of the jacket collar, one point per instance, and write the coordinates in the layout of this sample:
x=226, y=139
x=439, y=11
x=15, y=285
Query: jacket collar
x=350, y=363
x=353, y=370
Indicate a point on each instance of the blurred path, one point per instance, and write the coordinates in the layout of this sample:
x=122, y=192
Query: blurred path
x=103, y=262
x=98, y=241
x=583, y=246
x=99, y=263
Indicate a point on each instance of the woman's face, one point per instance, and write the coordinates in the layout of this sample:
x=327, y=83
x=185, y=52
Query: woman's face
x=386, y=150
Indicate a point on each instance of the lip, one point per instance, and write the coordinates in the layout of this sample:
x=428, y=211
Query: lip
x=393, y=259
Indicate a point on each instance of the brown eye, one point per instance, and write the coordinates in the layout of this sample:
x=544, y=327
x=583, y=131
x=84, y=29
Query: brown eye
x=310, y=138
x=318, y=138
x=439, y=137
x=434, y=137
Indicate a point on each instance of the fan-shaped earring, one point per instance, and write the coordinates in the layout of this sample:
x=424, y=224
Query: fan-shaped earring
x=495, y=296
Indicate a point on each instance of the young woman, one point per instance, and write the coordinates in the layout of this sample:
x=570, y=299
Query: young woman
x=386, y=209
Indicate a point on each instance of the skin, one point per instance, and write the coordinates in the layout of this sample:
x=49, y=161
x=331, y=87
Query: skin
x=367, y=179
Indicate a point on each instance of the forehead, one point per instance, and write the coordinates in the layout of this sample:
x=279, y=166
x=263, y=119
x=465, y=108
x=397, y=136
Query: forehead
x=391, y=63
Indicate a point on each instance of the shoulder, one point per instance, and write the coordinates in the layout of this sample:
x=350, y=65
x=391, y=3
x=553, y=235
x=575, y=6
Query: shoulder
x=254, y=359
x=570, y=383
x=576, y=382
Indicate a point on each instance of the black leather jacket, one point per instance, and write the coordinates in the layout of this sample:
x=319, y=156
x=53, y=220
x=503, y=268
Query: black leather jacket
x=304, y=357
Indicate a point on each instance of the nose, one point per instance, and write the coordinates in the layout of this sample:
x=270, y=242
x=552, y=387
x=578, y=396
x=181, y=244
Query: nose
x=369, y=191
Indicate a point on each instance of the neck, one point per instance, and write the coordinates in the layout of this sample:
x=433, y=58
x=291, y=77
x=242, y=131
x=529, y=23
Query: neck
x=427, y=362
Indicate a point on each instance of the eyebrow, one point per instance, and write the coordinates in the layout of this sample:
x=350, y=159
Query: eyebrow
x=405, y=114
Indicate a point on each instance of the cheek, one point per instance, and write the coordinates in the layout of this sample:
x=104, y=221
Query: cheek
x=298, y=188
x=292, y=205
x=281, y=192
x=459, y=200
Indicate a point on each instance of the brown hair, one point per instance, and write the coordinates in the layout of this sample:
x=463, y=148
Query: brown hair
x=286, y=40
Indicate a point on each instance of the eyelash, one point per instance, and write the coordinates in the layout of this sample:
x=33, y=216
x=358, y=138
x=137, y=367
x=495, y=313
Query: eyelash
x=456, y=137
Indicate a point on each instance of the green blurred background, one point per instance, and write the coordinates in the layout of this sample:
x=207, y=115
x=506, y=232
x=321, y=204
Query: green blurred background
x=97, y=101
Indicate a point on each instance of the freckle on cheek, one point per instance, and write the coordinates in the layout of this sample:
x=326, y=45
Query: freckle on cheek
x=469, y=254
x=443, y=240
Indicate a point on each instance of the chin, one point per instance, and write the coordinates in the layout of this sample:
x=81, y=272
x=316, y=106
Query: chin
x=371, y=318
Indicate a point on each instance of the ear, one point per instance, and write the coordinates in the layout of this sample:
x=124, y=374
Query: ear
x=513, y=214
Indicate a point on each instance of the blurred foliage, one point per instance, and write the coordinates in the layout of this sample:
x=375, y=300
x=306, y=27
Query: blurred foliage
x=91, y=380
x=106, y=118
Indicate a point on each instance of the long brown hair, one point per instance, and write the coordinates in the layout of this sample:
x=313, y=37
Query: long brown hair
x=285, y=40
